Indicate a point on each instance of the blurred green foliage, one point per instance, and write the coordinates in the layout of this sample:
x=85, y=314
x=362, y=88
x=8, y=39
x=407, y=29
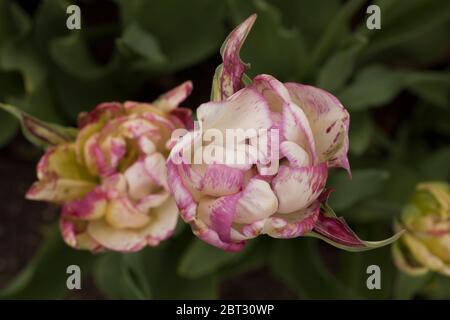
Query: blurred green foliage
x=395, y=82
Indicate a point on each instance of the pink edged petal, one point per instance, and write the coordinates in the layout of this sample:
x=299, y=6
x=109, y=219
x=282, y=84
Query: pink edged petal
x=337, y=230
x=228, y=77
x=155, y=166
x=171, y=99
x=152, y=201
x=211, y=237
x=273, y=91
x=243, y=232
x=140, y=182
x=297, y=188
x=121, y=213
x=146, y=145
x=218, y=214
x=220, y=180
x=90, y=207
x=123, y=240
x=183, y=117
x=115, y=186
x=329, y=122
x=136, y=127
x=292, y=225
x=59, y=190
x=296, y=155
x=181, y=194
x=246, y=109
x=77, y=239
x=163, y=222
x=295, y=127
x=257, y=202
x=102, y=112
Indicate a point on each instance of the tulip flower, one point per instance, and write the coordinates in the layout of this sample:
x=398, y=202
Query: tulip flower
x=425, y=245
x=112, y=180
x=292, y=135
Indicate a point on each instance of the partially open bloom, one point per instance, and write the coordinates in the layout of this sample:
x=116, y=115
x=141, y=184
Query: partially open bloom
x=425, y=246
x=112, y=180
x=299, y=132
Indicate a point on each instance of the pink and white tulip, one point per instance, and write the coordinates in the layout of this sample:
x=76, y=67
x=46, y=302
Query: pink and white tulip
x=112, y=180
x=227, y=204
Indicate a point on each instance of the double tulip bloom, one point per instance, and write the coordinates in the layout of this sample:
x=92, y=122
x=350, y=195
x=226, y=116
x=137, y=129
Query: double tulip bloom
x=112, y=181
x=228, y=203
x=425, y=246
x=121, y=188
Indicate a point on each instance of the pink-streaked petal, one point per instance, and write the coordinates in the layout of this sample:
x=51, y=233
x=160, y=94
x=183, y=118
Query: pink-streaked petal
x=163, y=222
x=77, y=239
x=90, y=207
x=183, y=117
x=218, y=214
x=296, y=155
x=246, y=109
x=155, y=166
x=103, y=111
x=135, y=128
x=146, y=145
x=59, y=190
x=181, y=194
x=139, y=181
x=152, y=201
x=243, y=232
x=220, y=180
x=295, y=127
x=329, y=122
x=171, y=99
x=121, y=213
x=256, y=203
x=297, y=188
x=115, y=186
x=228, y=77
x=337, y=230
x=286, y=226
x=211, y=237
x=123, y=240
x=274, y=91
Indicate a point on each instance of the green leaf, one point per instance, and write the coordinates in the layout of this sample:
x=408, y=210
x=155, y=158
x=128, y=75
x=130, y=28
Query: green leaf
x=143, y=44
x=45, y=276
x=71, y=54
x=406, y=286
x=360, y=133
x=336, y=70
x=152, y=274
x=433, y=87
x=402, y=21
x=435, y=166
x=364, y=183
x=115, y=280
x=186, y=35
x=335, y=30
x=193, y=264
x=352, y=267
x=298, y=264
x=297, y=14
x=373, y=86
x=39, y=132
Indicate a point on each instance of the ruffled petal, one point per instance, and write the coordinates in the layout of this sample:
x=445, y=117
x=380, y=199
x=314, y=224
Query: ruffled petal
x=297, y=188
x=257, y=202
x=329, y=122
x=292, y=225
